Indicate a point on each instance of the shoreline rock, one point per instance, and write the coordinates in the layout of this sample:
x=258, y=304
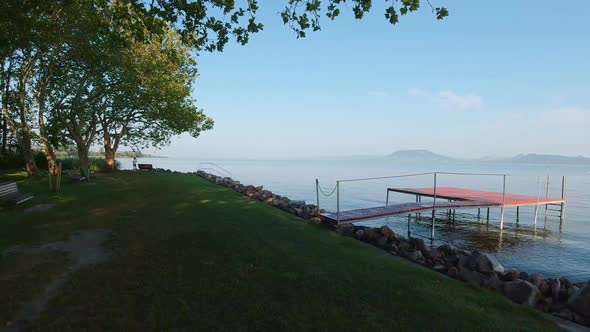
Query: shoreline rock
x=559, y=297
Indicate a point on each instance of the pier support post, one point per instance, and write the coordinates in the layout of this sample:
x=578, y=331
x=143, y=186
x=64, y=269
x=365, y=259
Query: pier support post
x=537, y=205
x=546, y=193
x=478, y=213
x=563, y=188
x=503, y=200
x=433, y=210
x=536, y=214
x=317, y=195
x=517, y=214
x=488, y=217
x=409, y=216
x=387, y=198
x=337, y=202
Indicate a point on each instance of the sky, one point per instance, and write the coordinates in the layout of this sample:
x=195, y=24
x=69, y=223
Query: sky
x=495, y=78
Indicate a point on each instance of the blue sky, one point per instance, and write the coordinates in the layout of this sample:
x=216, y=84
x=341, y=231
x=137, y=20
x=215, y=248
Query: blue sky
x=494, y=78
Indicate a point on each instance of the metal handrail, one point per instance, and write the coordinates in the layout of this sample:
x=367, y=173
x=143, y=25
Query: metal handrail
x=213, y=167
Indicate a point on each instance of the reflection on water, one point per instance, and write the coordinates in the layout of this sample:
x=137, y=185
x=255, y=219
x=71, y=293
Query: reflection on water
x=550, y=249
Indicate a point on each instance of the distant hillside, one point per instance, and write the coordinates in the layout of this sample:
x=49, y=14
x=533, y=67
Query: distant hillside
x=532, y=158
x=418, y=155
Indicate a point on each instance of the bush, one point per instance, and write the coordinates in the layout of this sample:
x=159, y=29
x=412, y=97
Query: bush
x=11, y=159
x=96, y=164
x=14, y=160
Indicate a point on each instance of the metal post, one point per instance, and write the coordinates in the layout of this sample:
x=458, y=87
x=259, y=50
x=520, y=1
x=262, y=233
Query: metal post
x=433, y=209
x=337, y=202
x=537, y=205
x=408, y=226
x=563, y=188
x=387, y=198
x=546, y=194
x=478, y=213
x=517, y=214
x=488, y=217
x=419, y=201
x=317, y=195
x=503, y=200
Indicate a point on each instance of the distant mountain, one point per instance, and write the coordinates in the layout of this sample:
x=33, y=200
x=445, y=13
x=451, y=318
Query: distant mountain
x=532, y=158
x=418, y=155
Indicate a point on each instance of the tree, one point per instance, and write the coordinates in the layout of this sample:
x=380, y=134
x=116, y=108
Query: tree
x=65, y=65
x=152, y=101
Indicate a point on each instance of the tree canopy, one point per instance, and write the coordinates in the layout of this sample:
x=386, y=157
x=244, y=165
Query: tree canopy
x=113, y=72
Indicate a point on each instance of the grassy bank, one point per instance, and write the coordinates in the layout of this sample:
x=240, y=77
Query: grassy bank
x=191, y=255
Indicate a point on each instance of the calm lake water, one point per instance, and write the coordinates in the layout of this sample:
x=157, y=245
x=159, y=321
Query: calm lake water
x=550, y=249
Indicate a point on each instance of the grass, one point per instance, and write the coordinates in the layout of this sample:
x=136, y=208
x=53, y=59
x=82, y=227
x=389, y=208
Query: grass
x=191, y=255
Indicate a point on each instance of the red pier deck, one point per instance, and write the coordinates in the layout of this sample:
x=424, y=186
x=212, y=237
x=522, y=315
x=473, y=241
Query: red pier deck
x=455, y=198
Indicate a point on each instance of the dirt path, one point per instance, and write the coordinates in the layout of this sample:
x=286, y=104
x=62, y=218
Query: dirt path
x=84, y=248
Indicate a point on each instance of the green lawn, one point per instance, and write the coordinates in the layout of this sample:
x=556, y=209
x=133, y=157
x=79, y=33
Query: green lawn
x=191, y=255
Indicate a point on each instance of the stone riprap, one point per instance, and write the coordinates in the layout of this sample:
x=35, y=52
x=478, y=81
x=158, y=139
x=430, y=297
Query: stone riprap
x=557, y=296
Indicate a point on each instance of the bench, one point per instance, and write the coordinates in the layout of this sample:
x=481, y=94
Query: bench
x=145, y=167
x=9, y=194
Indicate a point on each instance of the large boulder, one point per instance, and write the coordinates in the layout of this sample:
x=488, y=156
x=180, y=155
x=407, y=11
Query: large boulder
x=447, y=249
x=345, y=229
x=493, y=283
x=522, y=292
x=414, y=255
x=382, y=242
x=371, y=235
x=418, y=244
x=488, y=263
x=359, y=234
x=470, y=276
x=555, y=288
x=385, y=230
x=579, y=302
x=535, y=279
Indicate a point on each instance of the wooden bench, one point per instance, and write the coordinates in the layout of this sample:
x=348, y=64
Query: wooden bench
x=145, y=167
x=9, y=194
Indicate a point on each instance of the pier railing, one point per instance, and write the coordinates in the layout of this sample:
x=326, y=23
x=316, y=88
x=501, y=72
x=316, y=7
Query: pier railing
x=434, y=196
x=215, y=169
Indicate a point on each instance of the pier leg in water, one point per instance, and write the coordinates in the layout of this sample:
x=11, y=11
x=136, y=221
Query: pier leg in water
x=409, y=216
x=453, y=217
x=536, y=214
x=488, y=217
x=517, y=214
x=478, y=213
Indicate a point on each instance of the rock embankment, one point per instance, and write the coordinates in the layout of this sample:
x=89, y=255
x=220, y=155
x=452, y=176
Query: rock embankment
x=298, y=208
x=557, y=296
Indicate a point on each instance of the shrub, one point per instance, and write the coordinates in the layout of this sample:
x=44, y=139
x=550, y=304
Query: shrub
x=11, y=159
x=14, y=160
x=96, y=164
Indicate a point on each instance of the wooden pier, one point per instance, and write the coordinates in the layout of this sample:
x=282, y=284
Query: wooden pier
x=446, y=198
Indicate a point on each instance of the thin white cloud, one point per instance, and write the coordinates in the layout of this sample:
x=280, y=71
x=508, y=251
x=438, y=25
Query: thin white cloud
x=377, y=93
x=449, y=100
x=414, y=92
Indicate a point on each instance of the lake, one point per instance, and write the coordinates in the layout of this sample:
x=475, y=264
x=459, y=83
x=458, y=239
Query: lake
x=552, y=250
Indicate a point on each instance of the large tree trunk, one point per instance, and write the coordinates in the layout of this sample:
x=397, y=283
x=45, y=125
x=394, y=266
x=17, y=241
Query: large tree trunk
x=50, y=157
x=109, y=155
x=4, y=135
x=84, y=160
x=30, y=164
